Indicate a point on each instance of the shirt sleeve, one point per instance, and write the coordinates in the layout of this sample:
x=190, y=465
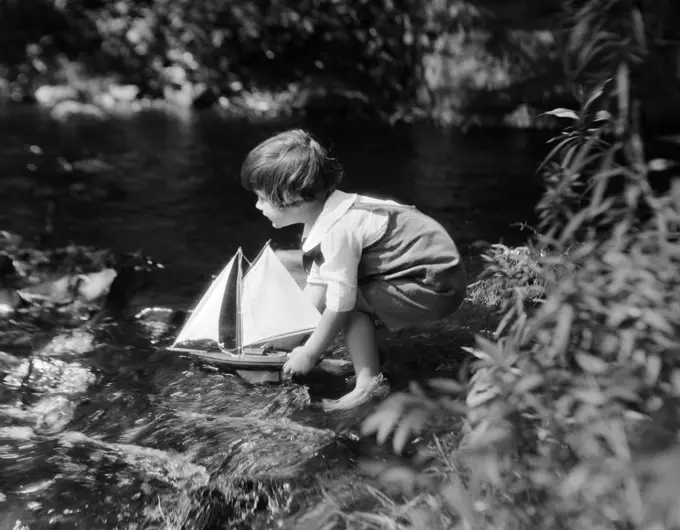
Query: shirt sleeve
x=341, y=250
x=314, y=276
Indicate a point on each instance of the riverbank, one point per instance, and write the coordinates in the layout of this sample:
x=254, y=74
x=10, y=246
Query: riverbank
x=99, y=99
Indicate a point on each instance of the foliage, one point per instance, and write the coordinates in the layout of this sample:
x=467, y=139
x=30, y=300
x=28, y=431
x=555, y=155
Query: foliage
x=511, y=276
x=220, y=47
x=389, y=55
x=572, y=416
x=457, y=61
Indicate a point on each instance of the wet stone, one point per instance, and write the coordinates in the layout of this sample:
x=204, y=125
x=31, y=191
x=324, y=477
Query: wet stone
x=8, y=361
x=16, y=433
x=50, y=375
x=9, y=301
x=76, y=342
x=86, y=483
x=245, y=447
x=52, y=414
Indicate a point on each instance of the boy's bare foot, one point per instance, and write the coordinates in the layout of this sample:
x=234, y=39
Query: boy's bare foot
x=336, y=366
x=378, y=386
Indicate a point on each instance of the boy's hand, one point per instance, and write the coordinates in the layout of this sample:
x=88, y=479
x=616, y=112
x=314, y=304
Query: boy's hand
x=300, y=362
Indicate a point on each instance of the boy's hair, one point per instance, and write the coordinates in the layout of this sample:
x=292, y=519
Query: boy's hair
x=290, y=168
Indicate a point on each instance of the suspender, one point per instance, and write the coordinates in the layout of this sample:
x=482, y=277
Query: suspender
x=311, y=257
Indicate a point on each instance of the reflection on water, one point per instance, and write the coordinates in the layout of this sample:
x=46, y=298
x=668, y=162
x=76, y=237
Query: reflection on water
x=99, y=428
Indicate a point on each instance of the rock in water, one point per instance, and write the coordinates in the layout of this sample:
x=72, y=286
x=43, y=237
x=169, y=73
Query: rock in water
x=8, y=362
x=52, y=413
x=9, y=301
x=96, y=285
x=69, y=109
x=72, y=287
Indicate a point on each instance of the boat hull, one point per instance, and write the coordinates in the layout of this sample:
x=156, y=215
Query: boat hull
x=271, y=361
x=268, y=367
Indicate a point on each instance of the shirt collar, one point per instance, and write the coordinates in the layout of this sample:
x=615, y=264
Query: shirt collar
x=334, y=208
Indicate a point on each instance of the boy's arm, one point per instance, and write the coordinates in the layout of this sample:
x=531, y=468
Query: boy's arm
x=331, y=284
x=329, y=326
x=303, y=358
x=316, y=293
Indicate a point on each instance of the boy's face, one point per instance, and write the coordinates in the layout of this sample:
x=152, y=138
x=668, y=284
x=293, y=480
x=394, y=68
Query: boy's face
x=279, y=217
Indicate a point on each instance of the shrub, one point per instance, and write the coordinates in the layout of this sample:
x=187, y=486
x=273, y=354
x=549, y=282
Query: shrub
x=572, y=416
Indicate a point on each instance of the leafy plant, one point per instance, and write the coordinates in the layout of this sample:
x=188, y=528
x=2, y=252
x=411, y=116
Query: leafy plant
x=572, y=416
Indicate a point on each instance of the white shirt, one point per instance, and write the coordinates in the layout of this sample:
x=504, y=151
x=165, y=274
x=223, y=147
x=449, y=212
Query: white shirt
x=343, y=233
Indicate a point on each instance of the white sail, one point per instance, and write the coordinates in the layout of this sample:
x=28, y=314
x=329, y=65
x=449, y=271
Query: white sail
x=272, y=304
x=204, y=321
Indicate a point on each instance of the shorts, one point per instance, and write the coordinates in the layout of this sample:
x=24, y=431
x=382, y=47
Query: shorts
x=401, y=303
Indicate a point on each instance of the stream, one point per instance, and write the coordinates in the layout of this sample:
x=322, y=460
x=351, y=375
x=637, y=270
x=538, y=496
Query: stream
x=100, y=426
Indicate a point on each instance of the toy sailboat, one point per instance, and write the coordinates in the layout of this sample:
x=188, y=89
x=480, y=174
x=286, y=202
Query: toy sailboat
x=250, y=317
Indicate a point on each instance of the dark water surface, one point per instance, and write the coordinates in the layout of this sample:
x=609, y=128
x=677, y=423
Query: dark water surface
x=99, y=427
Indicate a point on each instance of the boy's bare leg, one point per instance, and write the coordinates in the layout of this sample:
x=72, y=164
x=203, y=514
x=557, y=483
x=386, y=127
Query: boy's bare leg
x=362, y=344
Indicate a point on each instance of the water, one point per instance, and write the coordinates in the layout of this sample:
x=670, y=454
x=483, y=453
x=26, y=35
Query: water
x=101, y=428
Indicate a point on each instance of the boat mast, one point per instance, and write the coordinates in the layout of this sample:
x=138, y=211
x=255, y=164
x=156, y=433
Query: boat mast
x=259, y=254
x=239, y=281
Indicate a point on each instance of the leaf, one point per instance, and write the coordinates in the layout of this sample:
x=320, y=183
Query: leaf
x=505, y=320
x=632, y=194
x=618, y=314
x=443, y=384
x=562, y=330
x=675, y=381
x=585, y=149
x=392, y=475
x=652, y=368
x=663, y=468
x=596, y=93
x=657, y=321
x=602, y=115
x=459, y=501
x=412, y=424
x=563, y=113
x=416, y=390
x=492, y=349
x=604, y=207
x=574, y=224
x=555, y=150
x=590, y=363
x=385, y=418
x=453, y=406
x=591, y=396
x=528, y=383
x=575, y=481
x=477, y=353
x=578, y=34
x=486, y=437
x=626, y=344
x=481, y=392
